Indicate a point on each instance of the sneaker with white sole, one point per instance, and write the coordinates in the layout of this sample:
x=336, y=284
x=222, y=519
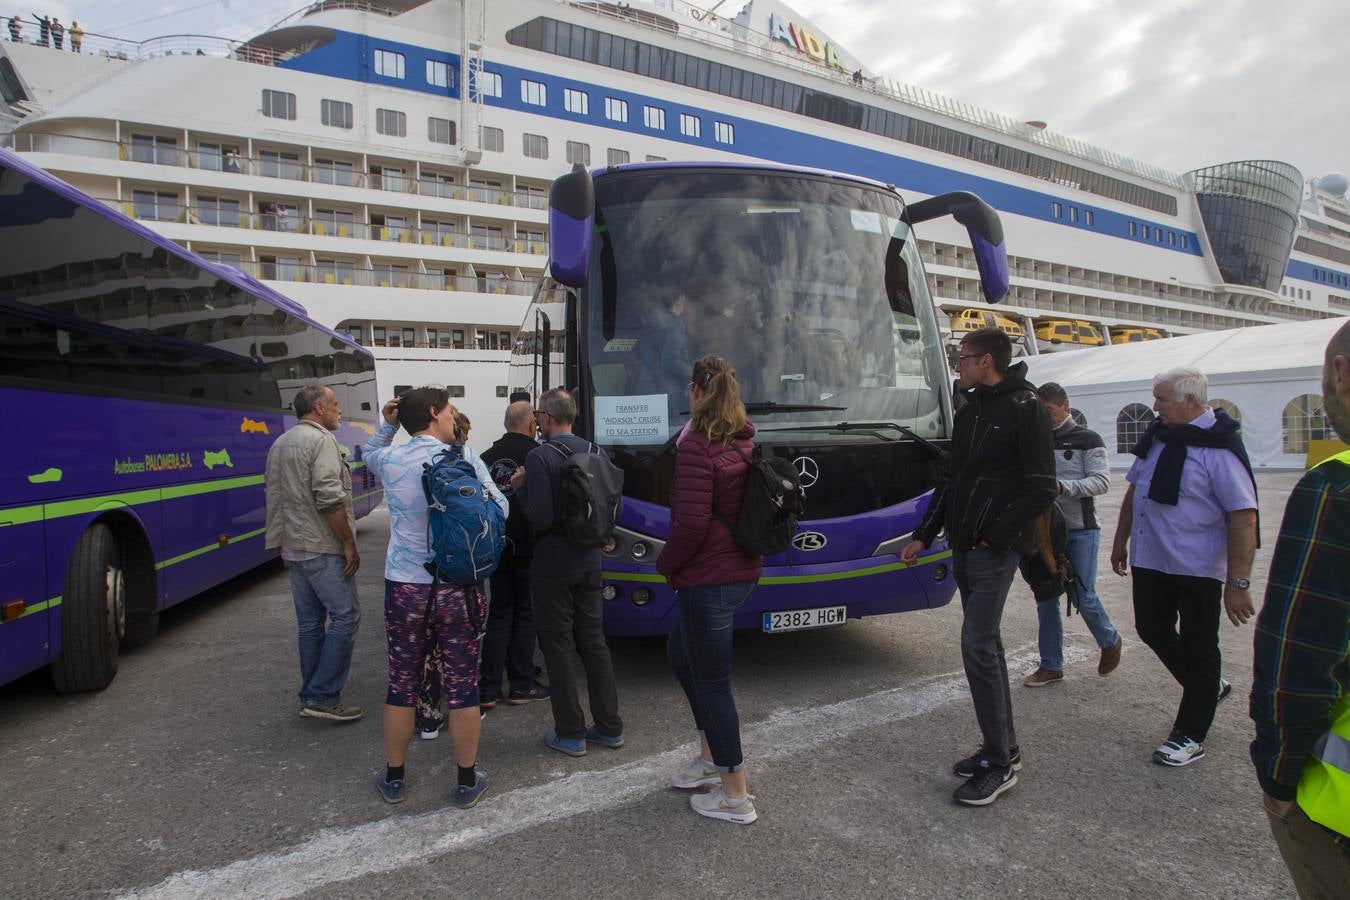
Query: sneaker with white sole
x=1178, y=750
x=716, y=805
x=986, y=785
x=335, y=713
x=697, y=774
x=968, y=766
x=429, y=734
x=1225, y=688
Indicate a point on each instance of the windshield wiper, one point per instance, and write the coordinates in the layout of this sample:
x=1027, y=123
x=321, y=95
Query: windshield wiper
x=769, y=406
x=872, y=429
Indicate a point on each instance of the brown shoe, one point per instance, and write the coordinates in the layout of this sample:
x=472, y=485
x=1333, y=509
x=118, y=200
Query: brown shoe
x=1110, y=658
x=1042, y=676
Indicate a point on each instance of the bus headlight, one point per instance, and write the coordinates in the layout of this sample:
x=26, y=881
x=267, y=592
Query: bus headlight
x=609, y=592
x=639, y=550
x=642, y=596
x=939, y=572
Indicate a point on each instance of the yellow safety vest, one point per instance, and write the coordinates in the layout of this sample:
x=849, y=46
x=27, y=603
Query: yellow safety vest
x=1324, y=788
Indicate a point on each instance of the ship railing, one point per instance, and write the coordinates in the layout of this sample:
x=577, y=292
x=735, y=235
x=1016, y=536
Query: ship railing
x=112, y=47
x=292, y=270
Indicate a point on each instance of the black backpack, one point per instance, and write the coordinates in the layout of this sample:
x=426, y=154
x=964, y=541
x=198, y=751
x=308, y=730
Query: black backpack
x=774, y=501
x=592, y=496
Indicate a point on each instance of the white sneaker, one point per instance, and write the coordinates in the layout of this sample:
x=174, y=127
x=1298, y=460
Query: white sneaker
x=1178, y=750
x=698, y=773
x=430, y=735
x=715, y=805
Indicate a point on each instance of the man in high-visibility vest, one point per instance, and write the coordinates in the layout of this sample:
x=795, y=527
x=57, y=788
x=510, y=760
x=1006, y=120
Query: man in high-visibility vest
x=1301, y=685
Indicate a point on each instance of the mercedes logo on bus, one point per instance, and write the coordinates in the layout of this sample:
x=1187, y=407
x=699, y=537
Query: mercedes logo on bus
x=809, y=540
x=807, y=470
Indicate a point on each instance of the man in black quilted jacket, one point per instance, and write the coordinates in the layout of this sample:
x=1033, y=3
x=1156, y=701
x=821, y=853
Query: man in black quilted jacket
x=1001, y=475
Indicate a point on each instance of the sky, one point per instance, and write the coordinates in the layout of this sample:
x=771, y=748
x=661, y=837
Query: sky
x=1179, y=84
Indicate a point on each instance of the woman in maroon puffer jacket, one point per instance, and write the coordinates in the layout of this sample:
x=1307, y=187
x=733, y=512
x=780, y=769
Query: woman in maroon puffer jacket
x=712, y=576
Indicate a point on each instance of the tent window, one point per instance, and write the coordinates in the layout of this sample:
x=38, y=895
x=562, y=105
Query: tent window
x=1305, y=420
x=1229, y=407
x=1131, y=423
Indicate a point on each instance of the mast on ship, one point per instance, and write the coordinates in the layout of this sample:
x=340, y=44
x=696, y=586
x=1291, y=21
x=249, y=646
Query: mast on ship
x=472, y=33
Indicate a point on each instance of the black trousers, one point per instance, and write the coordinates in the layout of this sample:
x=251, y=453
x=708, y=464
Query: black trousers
x=568, y=620
x=1190, y=653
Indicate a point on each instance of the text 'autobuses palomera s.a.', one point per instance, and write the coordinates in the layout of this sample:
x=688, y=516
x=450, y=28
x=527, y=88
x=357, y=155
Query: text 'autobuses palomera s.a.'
x=142, y=388
x=810, y=283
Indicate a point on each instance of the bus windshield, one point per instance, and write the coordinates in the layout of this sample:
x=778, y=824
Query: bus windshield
x=811, y=286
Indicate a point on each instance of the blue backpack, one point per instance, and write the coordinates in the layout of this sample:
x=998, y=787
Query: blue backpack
x=466, y=526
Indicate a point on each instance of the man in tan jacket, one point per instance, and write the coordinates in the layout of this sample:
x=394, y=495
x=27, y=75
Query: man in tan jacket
x=309, y=517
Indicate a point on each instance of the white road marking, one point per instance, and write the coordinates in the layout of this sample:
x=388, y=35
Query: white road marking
x=343, y=854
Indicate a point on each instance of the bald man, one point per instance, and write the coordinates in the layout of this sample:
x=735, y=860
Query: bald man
x=510, y=637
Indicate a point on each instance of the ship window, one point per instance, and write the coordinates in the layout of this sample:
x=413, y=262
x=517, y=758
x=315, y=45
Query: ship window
x=490, y=84
x=1056, y=210
x=651, y=158
x=148, y=148
x=155, y=207
x=378, y=335
x=218, y=211
x=1073, y=214
x=455, y=390
x=617, y=157
x=493, y=139
x=1172, y=238
x=335, y=171
x=616, y=110
x=690, y=125
x=1089, y=217
x=391, y=122
x=440, y=131
x=534, y=93
x=724, y=133
x=439, y=74
x=654, y=117
x=218, y=157
x=1143, y=231
x=1305, y=420
x=1134, y=229
x=457, y=338
x=578, y=102
x=536, y=146
x=389, y=64
x=578, y=153
x=1131, y=423
x=335, y=113
x=501, y=390
x=278, y=104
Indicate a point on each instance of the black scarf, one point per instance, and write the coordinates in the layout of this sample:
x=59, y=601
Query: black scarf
x=1165, y=486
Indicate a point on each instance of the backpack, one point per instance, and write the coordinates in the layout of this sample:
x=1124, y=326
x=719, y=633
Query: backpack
x=774, y=502
x=466, y=526
x=592, y=496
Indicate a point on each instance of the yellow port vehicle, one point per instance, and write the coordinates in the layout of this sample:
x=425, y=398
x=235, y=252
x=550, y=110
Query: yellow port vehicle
x=1131, y=334
x=973, y=319
x=1053, y=335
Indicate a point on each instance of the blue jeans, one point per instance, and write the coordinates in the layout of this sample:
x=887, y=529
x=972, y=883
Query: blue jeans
x=699, y=650
x=1082, y=551
x=510, y=639
x=321, y=590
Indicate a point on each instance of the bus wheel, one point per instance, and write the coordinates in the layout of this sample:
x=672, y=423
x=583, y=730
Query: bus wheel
x=138, y=580
x=93, y=614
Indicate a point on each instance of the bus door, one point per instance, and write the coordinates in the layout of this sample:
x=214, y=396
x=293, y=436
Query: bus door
x=25, y=620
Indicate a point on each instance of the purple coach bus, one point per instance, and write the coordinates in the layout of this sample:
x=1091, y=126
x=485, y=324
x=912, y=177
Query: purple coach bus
x=143, y=387
x=812, y=285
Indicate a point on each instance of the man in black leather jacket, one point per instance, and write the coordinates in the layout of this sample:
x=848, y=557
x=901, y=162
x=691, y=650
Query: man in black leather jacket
x=1001, y=474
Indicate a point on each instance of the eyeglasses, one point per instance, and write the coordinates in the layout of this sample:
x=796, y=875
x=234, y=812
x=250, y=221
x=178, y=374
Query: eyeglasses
x=540, y=412
x=969, y=356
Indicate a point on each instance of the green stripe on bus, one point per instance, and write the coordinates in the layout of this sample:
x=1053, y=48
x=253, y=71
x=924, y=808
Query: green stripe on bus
x=182, y=557
x=36, y=608
x=795, y=579
x=22, y=515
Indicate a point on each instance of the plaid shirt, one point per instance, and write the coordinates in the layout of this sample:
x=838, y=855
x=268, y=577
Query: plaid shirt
x=1303, y=631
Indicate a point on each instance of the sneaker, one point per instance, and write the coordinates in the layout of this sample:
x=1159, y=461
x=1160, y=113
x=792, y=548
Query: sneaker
x=468, y=797
x=593, y=736
x=430, y=734
x=1225, y=688
x=391, y=791
x=715, y=805
x=335, y=713
x=570, y=746
x=1042, y=676
x=697, y=774
x=534, y=692
x=966, y=767
x=984, y=787
x=1110, y=657
x=1178, y=750
x=486, y=703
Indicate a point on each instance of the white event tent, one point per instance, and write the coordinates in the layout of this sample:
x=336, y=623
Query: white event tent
x=1269, y=377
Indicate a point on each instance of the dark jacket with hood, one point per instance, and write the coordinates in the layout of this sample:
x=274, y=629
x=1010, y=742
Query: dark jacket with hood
x=502, y=459
x=1001, y=472
x=707, y=493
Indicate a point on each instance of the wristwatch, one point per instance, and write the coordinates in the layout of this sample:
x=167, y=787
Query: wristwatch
x=1241, y=584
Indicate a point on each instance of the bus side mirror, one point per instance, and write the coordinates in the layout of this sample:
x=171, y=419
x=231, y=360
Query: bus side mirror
x=571, y=218
x=984, y=228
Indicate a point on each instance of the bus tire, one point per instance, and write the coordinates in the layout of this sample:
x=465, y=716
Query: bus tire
x=93, y=614
x=139, y=587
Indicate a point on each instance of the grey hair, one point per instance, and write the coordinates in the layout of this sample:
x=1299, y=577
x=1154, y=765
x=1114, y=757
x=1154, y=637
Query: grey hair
x=1185, y=382
x=517, y=414
x=559, y=405
x=306, y=399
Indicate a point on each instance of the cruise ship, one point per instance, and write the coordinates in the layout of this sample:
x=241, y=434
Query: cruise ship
x=387, y=164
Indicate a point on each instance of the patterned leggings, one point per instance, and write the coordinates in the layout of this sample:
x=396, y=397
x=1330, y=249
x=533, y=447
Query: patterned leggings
x=414, y=642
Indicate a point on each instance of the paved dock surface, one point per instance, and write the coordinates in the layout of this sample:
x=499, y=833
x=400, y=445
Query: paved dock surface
x=193, y=775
